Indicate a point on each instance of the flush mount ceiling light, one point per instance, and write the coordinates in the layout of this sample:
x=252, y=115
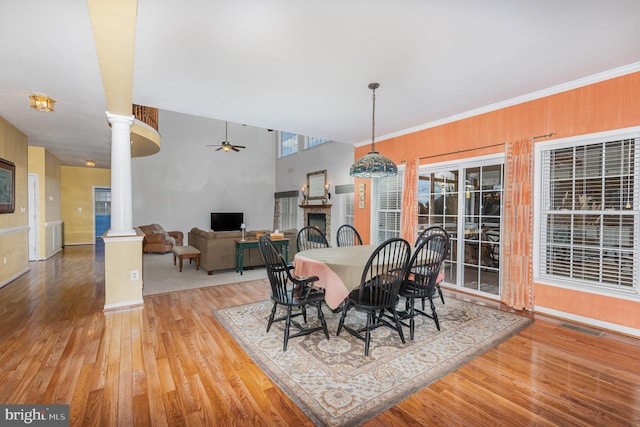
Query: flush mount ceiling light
x=373, y=164
x=90, y=163
x=41, y=103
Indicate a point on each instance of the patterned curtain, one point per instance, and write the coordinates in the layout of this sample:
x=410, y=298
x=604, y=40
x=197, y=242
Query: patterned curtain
x=409, y=218
x=517, y=231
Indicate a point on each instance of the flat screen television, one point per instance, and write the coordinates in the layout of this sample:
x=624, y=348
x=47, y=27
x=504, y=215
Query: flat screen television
x=226, y=221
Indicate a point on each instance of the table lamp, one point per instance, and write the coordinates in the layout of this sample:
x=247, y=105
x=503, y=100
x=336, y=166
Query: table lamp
x=242, y=227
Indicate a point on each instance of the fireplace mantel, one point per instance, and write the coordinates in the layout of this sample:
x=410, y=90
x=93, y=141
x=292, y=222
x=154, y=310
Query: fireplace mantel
x=315, y=206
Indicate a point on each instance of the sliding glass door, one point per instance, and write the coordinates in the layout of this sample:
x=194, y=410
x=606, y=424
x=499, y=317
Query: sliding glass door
x=466, y=200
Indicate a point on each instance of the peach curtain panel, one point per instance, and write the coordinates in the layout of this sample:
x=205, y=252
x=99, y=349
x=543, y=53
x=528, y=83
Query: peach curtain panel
x=517, y=230
x=409, y=218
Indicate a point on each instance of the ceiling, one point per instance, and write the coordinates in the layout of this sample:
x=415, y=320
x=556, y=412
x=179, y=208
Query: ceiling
x=304, y=66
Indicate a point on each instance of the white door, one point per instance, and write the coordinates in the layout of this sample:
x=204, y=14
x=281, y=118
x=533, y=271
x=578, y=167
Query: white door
x=32, y=210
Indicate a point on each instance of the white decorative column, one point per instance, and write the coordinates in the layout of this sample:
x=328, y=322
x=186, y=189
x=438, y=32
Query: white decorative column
x=121, y=199
x=122, y=244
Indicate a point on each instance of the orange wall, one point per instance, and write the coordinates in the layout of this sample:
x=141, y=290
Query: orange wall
x=607, y=105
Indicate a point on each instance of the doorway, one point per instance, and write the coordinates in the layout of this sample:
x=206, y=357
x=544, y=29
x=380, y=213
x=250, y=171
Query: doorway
x=466, y=200
x=101, y=211
x=32, y=206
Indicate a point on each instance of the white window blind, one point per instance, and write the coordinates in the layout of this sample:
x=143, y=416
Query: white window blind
x=388, y=206
x=590, y=214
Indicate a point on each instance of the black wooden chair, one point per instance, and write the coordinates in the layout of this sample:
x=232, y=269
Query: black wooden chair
x=347, y=235
x=420, y=278
x=311, y=237
x=378, y=290
x=434, y=229
x=290, y=292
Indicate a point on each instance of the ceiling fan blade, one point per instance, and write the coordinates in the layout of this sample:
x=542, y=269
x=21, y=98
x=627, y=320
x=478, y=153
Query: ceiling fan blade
x=240, y=146
x=218, y=149
x=234, y=148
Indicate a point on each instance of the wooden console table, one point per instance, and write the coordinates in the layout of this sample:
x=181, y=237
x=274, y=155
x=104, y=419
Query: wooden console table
x=241, y=245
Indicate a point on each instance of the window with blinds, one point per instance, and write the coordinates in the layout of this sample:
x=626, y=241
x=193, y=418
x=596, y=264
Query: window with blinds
x=589, y=215
x=348, y=208
x=388, y=206
x=286, y=210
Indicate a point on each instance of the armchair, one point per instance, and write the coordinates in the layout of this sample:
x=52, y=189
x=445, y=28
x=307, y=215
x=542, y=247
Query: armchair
x=156, y=239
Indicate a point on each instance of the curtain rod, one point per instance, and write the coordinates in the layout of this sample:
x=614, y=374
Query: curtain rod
x=542, y=136
x=462, y=151
x=480, y=148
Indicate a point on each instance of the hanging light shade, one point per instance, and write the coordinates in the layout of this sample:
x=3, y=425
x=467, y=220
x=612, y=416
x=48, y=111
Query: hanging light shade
x=373, y=164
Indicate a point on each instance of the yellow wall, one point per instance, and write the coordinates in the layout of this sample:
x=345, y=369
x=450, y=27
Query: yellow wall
x=123, y=272
x=14, y=227
x=77, y=185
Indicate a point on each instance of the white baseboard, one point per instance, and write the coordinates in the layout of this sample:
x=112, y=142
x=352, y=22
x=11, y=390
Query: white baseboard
x=14, y=277
x=52, y=254
x=588, y=321
x=124, y=304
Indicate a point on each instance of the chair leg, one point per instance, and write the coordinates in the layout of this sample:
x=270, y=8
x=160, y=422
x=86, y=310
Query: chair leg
x=439, y=293
x=371, y=317
x=398, y=324
x=412, y=316
x=287, y=325
x=272, y=316
x=344, y=314
x=433, y=312
x=321, y=317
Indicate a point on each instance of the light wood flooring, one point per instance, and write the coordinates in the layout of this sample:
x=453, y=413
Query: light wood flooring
x=171, y=363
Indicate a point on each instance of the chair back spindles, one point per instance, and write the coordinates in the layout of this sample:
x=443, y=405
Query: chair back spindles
x=311, y=237
x=385, y=271
x=378, y=291
x=347, y=235
x=291, y=292
x=420, y=280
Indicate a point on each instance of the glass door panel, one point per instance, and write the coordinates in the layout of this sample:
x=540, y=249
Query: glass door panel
x=482, y=204
x=438, y=205
x=467, y=202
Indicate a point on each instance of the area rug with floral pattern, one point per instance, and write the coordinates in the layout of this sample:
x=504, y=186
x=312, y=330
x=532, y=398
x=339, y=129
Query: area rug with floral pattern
x=335, y=384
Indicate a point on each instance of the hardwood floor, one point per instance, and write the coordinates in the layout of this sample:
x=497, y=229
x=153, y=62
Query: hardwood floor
x=171, y=363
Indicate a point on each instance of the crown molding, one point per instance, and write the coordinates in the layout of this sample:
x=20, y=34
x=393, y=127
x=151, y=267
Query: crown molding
x=574, y=84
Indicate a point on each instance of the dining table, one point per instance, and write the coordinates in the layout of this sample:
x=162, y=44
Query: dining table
x=339, y=269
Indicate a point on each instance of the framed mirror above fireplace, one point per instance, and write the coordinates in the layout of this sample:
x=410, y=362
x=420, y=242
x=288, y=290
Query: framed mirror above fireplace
x=316, y=185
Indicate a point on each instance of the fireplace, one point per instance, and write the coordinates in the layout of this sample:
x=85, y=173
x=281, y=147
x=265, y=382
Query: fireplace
x=316, y=219
x=320, y=216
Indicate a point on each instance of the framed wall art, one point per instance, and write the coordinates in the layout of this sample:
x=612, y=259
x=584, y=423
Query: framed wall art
x=7, y=186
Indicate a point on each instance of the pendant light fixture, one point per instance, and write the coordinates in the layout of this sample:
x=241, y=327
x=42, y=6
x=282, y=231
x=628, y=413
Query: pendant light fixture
x=373, y=164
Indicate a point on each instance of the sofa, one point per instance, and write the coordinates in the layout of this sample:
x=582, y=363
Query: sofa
x=218, y=248
x=156, y=239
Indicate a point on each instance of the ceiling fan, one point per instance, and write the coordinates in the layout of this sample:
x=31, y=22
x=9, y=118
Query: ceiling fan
x=226, y=145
